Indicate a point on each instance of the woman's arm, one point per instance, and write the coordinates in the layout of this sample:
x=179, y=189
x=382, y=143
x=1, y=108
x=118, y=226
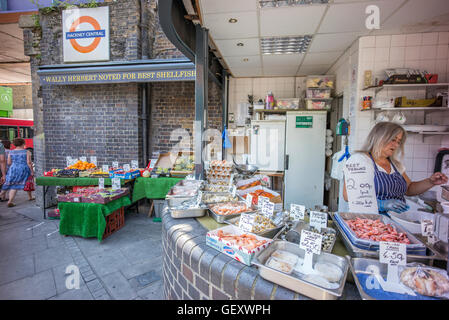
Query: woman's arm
x=30, y=163
x=9, y=160
x=345, y=193
x=417, y=187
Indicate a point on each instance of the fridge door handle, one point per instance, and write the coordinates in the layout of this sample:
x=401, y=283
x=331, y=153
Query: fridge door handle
x=287, y=157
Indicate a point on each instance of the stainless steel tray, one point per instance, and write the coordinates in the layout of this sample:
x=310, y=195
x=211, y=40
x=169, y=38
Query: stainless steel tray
x=297, y=227
x=189, y=183
x=269, y=233
x=188, y=213
x=415, y=243
x=218, y=194
x=222, y=218
x=362, y=265
x=361, y=253
x=295, y=283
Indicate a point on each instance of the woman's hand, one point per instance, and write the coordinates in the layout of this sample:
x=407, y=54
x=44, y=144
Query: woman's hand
x=438, y=178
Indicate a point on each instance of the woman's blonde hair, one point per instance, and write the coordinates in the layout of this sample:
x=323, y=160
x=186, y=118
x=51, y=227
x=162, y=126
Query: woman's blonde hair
x=380, y=135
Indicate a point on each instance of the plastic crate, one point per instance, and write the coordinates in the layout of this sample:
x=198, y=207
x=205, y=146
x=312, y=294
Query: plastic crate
x=318, y=104
x=114, y=222
x=318, y=93
x=320, y=81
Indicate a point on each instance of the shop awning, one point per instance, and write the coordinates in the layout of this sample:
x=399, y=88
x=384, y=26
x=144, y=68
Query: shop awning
x=153, y=70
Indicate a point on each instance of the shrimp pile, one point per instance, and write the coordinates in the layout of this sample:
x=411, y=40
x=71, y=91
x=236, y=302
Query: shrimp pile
x=227, y=208
x=247, y=241
x=376, y=230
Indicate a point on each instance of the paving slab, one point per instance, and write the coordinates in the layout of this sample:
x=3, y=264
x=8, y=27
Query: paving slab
x=37, y=287
x=144, y=250
x=119, y=288
x=141, y=268
x=16, y=268
x=152, y=292
x=108, y=262
x=50, y=258
x=60, y=276
x=74, y=294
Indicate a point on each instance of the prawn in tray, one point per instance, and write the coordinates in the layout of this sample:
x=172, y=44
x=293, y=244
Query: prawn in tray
x=237, y=244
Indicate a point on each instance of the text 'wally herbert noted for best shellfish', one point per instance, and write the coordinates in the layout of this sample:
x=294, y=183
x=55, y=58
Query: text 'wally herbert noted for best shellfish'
x=227, y=309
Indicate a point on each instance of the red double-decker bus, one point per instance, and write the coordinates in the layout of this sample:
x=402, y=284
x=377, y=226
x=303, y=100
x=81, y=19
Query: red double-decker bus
x=11, y=128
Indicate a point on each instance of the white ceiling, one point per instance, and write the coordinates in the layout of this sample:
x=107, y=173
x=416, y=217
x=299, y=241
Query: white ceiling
x=334, y=26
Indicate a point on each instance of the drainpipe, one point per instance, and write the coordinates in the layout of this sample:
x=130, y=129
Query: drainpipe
x=144, y=119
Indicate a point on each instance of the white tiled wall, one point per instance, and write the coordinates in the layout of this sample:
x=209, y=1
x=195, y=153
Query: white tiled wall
x=424, y=51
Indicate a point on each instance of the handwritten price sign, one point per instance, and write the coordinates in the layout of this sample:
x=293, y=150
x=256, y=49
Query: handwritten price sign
x=311, y=242
x=268, y=209
x=246, y=222
x=318, y=220
x=116, y=184
x=393, y=253
x=297, y=212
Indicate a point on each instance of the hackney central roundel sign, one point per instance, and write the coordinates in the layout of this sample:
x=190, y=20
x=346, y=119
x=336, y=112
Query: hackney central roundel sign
x=96, y=33
x=85, y=34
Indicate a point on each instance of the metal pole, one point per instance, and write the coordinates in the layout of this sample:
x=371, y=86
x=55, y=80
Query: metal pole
x=224, y=108
x=201, y=96
x=145, y=124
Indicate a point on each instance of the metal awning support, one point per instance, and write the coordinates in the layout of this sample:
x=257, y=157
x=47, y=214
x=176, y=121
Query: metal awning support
x=224, y=108
x=201, y=97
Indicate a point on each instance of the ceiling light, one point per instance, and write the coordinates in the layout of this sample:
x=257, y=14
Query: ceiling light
x=245, y=60
x=233, y=20
x=291, y=3
x=240, y=44
x=285, y=45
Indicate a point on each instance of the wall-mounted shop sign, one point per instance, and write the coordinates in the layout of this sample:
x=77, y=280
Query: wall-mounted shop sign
x=86, y=34
x=117, y=77
x=304, y=122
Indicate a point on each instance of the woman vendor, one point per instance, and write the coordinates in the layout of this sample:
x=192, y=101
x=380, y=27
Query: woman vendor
x=383, y=145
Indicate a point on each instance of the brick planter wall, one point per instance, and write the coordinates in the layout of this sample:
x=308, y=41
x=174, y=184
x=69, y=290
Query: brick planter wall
x=193, y=270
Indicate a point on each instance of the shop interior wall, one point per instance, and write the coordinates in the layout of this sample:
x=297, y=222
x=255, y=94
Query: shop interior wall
x=424, y=51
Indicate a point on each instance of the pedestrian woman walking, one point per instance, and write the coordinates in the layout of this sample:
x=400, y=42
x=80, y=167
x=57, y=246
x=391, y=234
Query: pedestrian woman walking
x=20, y=169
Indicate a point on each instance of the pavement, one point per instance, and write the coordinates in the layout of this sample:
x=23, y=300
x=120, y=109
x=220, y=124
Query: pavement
x=37, y=263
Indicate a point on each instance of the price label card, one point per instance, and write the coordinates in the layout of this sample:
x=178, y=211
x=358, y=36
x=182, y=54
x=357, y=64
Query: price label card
x=84, y=159
x=101, y=183
x=116, y=184
x=311, y=243
x=234, y=190
x=393, y=253
x=246, y=222
x=134, y=164
x=318, y=220
x=152, y=163
x=105, y=168
x=115, y=164
x=297, y=212
x=93, y=160
x=199, y=198
x=249, y=200
x=76, y=199
x=231, y=181
x=126, y=167
x=427, y=227
x=68, y=161
x=261, y=200
x=268, y=209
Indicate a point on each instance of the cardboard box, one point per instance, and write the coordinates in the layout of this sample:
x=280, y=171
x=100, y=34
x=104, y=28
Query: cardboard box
x=166, y=160
x=128, y=175
x=238, y=253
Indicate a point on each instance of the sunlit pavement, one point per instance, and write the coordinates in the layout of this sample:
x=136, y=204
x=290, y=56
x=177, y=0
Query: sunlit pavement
x=36, y=262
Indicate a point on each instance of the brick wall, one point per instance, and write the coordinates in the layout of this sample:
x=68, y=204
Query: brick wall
x=193, y=270
x=173, y=113
x=92, y=120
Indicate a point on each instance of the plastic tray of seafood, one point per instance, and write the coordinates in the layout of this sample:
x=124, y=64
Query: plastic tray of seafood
x=263, y=226
x=418, y=281
x=216, y=188
x=362, y=253
x=292, y=233
x=237, y=244
x=227, y=210
x=366, y=230
x=326, y=282
x=216, y=197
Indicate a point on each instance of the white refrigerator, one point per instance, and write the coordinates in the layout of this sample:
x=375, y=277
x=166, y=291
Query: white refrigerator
x=267, y=144
x=305, y=158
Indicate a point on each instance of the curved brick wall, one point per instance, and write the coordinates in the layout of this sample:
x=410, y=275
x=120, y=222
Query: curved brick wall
x=193, y=270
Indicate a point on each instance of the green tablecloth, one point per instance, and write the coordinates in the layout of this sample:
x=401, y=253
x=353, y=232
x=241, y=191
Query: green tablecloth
x=70, y=182
x=87, y=219
x=153, y=188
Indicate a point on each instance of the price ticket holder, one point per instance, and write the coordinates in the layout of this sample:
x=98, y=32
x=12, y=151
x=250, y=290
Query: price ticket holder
x=297, y=212
x=318, y=220
x=246, y=222
x=394, y=254
x=268, y=209
x=311, y=243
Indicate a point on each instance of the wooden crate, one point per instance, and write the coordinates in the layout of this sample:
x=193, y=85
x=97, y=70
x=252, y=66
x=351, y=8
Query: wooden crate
x=114, y=222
